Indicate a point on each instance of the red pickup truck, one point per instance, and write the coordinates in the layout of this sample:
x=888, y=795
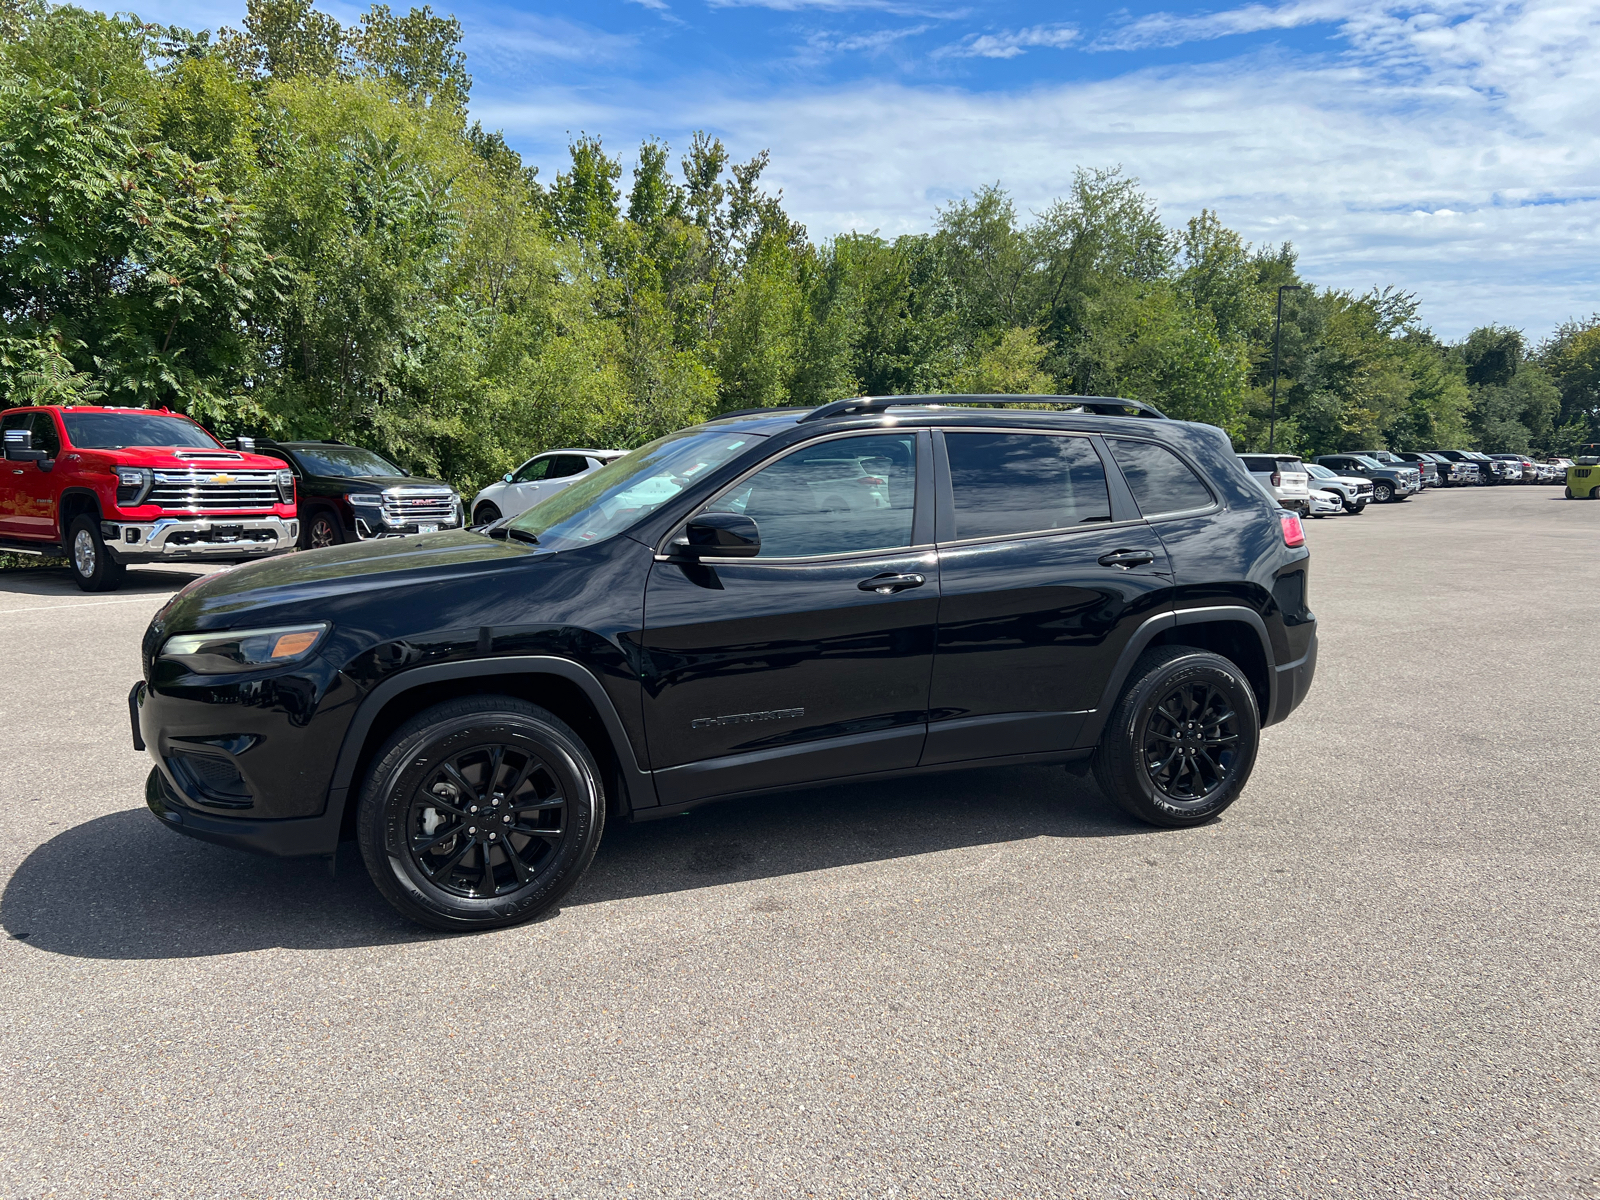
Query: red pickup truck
x=105, y=487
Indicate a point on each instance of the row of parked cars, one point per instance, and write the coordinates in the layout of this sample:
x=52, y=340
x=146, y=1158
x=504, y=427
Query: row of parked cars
x=1348, y=482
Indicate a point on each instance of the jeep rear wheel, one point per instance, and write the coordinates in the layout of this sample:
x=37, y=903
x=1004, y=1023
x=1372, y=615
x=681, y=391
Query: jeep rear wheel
x=480, y=812
x=1181, y=742
x=92, y=564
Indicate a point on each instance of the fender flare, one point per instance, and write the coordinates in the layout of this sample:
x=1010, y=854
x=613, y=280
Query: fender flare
x=1152, y=628
x=638, y=784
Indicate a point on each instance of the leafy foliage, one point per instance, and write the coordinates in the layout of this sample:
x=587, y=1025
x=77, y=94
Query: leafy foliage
x=291, y=228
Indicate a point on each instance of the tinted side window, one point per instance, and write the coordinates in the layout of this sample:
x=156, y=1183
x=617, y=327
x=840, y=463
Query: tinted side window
x=530, y=472
x=45, y=436
x=1007, y=483
x=563, y=465
x=1258, y=464
x=1158, y=478
x=844, y=496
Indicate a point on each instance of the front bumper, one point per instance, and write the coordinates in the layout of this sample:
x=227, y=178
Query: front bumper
x=369, y=528
x=297, y=837
x=175, y=539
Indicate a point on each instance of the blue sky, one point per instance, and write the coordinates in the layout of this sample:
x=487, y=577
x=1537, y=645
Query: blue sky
x=1450, y=148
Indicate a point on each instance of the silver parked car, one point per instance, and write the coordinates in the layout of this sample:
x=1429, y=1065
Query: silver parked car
x=541, y=476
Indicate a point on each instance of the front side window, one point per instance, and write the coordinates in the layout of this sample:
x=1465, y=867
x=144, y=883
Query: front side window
x=1161, y=482
x=630, y=488
x=1011, y=483
x=532, y=472
x=116, y=431
x=843, y=496
x=345, y=462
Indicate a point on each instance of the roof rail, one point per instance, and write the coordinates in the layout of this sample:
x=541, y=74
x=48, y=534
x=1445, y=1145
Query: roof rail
x=1104, y=406
x=756, y=412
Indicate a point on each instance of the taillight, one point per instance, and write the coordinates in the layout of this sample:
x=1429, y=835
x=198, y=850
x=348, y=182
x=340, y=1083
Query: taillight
x=1294, y=533
x=871, y=481
x=1277, y=479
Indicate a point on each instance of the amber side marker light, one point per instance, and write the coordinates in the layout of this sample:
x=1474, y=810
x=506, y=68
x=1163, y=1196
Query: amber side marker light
x=291, y=644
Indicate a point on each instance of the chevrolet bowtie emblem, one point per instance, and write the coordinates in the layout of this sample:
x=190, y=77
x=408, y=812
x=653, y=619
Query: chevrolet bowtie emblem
x=220, y=479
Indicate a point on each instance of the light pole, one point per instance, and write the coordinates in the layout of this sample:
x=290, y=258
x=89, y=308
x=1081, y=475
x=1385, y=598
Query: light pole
x=1277, y=343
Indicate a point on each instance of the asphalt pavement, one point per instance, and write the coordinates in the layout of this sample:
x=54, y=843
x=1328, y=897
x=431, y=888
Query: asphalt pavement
x=1375, y=975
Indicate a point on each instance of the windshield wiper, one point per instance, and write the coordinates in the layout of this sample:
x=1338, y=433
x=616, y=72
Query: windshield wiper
x=522, y=535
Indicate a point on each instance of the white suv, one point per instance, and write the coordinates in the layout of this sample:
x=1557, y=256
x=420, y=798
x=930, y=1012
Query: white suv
x=1284, y=475
x=541, y=476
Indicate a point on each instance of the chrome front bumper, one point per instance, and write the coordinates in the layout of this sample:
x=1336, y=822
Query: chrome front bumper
x=173, y=539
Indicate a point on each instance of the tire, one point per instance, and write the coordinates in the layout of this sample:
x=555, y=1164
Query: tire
x=1355, y=510
x=486, y=514
x=438, y=878
x=321, y=529
x=1594, y=493
x=92, y=565
x=1177, y=797
x=1382, y=493
x=1569, y=493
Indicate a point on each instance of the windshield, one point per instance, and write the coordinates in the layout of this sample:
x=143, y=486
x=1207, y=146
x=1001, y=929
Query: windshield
x=344, y=462
x=1371, y=462
x=114, y=431
x=1320, y=471
x=629, y=488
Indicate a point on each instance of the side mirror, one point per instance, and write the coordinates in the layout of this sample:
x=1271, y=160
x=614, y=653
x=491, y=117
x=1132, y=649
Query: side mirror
x=19, y=447
x=245, y=445
x=507, y=477
x=720, y=535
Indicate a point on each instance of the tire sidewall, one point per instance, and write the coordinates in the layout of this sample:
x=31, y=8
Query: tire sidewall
x=1137, y=792
x=384, y=810
x=478, y=519
x=1382, y=493
x=106, y=571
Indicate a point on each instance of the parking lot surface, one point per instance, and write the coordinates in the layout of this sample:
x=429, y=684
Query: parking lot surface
x=1374, y=976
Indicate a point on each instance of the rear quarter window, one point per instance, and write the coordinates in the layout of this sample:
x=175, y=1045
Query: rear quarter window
x=1161, y=482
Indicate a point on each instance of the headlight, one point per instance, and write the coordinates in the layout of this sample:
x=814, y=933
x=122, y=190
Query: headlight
x=286, y=486
x=364, y=498
x=133, y=485
x=227, y=651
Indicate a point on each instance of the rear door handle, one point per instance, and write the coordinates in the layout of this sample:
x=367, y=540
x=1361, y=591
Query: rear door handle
x=888, y=585
x=1127, y=558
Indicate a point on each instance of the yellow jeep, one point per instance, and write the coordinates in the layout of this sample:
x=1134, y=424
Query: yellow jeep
x=1583, y=476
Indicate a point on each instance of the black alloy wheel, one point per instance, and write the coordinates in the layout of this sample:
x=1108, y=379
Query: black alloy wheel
x=480, y=812
x=1382, y=493
x=92, y=565
x=486, y=514
x=1190, y=742
x=1181, y=742
x=323, y=530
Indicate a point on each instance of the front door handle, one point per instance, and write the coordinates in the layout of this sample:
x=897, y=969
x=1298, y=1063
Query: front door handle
x=888, y=585
x=1127, y=558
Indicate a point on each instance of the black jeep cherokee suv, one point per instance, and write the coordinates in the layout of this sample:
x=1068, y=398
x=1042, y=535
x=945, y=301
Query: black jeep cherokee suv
x=772, y=599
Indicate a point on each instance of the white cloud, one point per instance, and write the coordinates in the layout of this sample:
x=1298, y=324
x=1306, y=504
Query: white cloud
x=1169, y=29
x=1011, y=43
x=1487, y=115
x=862, y=43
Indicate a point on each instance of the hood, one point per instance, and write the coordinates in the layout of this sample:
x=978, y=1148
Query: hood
x=166, y=458
x=325, y=577
x=382, y=483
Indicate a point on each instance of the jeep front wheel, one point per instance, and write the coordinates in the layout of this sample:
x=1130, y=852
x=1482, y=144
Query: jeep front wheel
x=92, y=564
x=480, y=812
x=1181, y=742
